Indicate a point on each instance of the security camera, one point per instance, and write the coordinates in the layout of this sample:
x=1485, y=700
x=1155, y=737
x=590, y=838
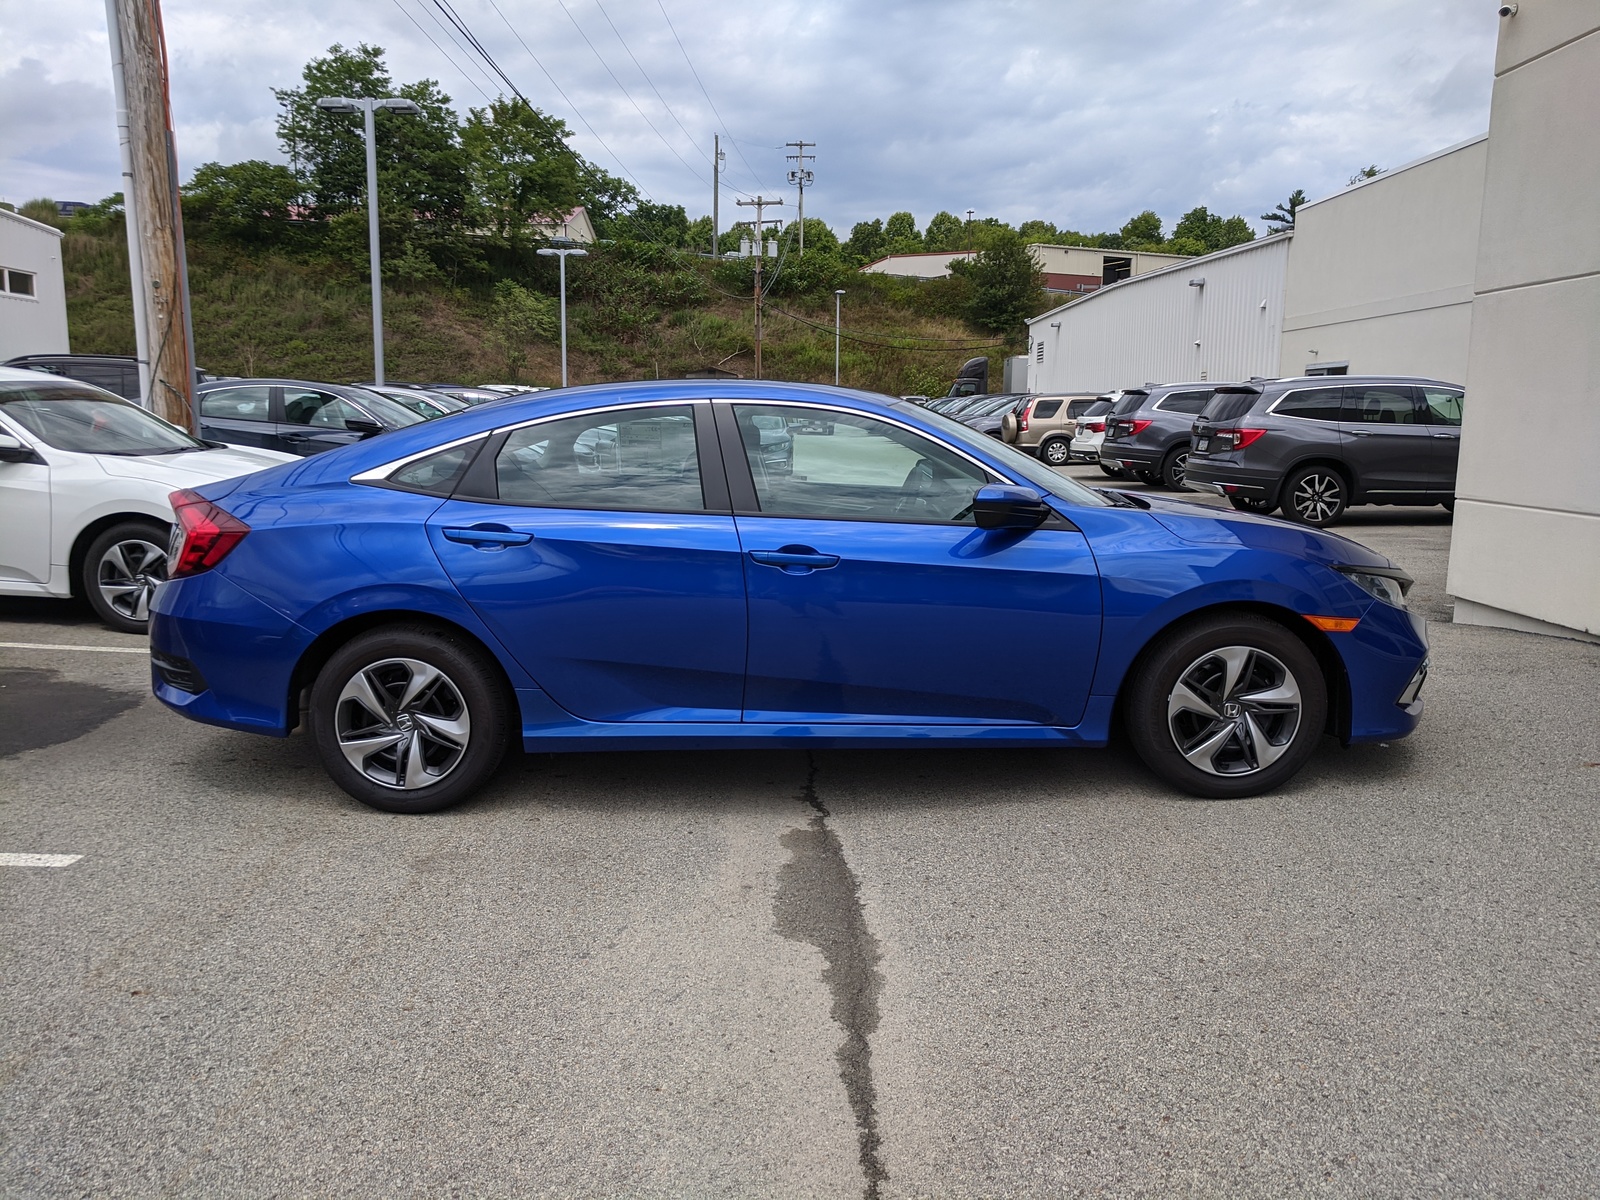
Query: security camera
x=1508, y=10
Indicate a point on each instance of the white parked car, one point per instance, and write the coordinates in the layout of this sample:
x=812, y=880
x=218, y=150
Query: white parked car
x=84, y=481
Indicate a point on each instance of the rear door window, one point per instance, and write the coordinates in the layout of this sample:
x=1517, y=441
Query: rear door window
x=1311, y=404
x=1380, y=404
x=637, y=460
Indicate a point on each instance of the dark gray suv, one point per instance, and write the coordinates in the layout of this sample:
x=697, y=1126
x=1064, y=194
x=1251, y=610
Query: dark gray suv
x=1147, y=430
x=1318, y=444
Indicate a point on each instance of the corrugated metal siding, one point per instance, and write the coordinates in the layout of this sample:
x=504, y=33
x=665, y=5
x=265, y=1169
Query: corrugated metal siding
x=1146, y=328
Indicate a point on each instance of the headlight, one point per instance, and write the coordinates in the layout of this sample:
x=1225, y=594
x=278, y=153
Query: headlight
x=1387, y=584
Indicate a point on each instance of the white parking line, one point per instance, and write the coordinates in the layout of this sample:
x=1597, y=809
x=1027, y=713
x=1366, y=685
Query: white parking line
x=38, y=860
x=95, y=649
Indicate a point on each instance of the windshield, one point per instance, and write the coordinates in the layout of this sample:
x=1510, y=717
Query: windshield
x=1015, y=461
x=390, y=412
x=85, y=420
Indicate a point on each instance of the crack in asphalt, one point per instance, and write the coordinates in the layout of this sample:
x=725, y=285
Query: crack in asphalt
x=819, y=902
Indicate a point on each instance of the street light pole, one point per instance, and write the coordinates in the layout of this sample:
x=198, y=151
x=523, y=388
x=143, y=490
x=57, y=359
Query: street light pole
x=838, y=296
x=366, y=107
x=561, y=252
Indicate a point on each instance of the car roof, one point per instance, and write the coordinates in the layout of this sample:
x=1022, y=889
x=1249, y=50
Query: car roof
x=1342, y=379
x=116, y=358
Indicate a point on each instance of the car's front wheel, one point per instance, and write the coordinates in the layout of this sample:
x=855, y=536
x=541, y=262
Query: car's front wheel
x=1315, y=496
x=121, y=571
x=409, y=719
x=1228, y=706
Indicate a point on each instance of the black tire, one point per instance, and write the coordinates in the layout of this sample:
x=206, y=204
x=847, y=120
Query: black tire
x=1056, y=451
x=1315, y=495
x=1173, y=467
x=1114, y=472
x=121, y=570
x=426, y=732
x=1252, y=504
x=1195, y=652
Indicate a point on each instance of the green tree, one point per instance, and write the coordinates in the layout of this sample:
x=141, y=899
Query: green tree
x=1212, y=232
x=518, y=317
x=866, y=241
x=1282, y=217
x=1040, y=232
x=1142, y=232
x=606, y=198
x=1368, y=172
x=44, y=211
x=946, y=231
x=900, y=234
x=1005, y=282
x=661, y=224
x=820, y=238
x=247, y=202
x=519, y=167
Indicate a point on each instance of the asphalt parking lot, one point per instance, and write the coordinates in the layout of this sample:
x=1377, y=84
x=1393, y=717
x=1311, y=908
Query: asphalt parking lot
x=896, y=974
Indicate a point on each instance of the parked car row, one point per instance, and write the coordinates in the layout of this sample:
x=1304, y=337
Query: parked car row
x=1312, y=445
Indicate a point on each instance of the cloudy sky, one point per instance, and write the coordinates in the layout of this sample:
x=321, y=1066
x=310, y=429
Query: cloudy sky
x=1077, y=111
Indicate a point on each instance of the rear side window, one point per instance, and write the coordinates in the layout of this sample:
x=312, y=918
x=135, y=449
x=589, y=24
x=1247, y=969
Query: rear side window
x=1311, y=404
x=1077, y=408
x=1225, y=407
x=237, y=404
x=1442, y=405
x=1380, y=404
x=1130, y=402
x=1046, y=408
x=1185, y=402
x=639, y=460
x=438, y=474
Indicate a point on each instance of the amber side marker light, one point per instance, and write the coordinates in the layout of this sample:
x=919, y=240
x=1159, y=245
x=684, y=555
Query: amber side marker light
x=1335, y=624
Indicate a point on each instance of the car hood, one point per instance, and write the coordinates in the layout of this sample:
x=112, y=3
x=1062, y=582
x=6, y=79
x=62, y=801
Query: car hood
x=1205, y=524
x=193, y=467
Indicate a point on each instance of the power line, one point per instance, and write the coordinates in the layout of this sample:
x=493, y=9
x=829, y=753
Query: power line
x=450, y=14
x=443, y=52
x=682, y=50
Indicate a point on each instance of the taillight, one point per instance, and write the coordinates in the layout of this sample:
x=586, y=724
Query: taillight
x=1022, y=421
x=1096, y=426
x=1235, y=439
x=1138, y=426
x=209, y=534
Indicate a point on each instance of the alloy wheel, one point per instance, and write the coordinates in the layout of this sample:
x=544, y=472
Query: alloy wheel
x=1055, y=453
x=402, y=723
x=1234, y=711
x=1180, y=466
x=1318, y=497
x=127, y=576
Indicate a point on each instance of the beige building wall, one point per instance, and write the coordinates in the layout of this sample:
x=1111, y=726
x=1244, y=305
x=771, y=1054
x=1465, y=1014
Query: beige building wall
x=1381, y=274
x=1526, y=548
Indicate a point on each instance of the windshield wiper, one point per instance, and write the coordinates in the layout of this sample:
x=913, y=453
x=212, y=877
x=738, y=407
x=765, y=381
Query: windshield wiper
x=1121, y=499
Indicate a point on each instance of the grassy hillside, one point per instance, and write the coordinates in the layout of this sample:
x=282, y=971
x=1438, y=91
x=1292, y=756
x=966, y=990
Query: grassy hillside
x=274, y=313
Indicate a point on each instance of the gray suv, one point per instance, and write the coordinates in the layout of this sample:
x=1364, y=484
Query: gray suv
x=1318, y=444
x=1147, y=431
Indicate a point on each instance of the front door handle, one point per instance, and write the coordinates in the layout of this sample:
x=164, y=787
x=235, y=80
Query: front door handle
x=1451, y=436
x=796, y=560
x=486, y=536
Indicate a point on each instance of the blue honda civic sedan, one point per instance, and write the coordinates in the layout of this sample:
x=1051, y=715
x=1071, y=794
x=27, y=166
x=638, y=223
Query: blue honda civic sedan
x=722, y=564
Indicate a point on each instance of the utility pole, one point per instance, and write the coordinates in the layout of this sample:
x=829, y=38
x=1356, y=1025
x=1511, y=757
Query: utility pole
x=802, y=179
x=161, y=278
x=760, y=203
x=130, y=220
x=718, y=155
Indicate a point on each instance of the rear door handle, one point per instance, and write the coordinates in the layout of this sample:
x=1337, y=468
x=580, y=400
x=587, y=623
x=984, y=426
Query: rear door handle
x=489, y=536
x=1451, y=436
x=795, y=560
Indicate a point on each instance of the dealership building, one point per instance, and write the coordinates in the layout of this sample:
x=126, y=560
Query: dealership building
x=1479, y=264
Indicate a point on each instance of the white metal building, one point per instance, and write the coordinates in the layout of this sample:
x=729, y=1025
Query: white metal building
x=1526, y=547
x=1380, y=274
x=33, y=290
x=1217, y=317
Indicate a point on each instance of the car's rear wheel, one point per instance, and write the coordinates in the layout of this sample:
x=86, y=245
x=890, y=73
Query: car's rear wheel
x=409, y=719
x=1056, y=451
x=1228, y=706
x=120, y=573
x=1252, y=504
x=1174, y=466
x=1315, y=496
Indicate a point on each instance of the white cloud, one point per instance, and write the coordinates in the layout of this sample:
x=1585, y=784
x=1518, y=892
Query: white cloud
x=1077, y=113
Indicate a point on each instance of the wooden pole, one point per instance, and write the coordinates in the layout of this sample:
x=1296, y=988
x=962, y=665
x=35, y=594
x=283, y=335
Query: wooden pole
x=162, y=293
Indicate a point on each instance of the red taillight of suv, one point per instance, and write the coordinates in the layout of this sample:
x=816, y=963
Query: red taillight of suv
x=209, y=534
x=1094, y=426
x=1022, y=421
x=1138, y=426
x=1234, y=439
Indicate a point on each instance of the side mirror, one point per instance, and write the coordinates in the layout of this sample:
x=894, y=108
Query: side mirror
x=365, y=428
x=12, y=450
x=1007, y=506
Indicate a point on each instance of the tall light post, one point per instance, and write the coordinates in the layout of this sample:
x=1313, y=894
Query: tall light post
x=562, y=252
x=366, y=107
x=838, y=296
